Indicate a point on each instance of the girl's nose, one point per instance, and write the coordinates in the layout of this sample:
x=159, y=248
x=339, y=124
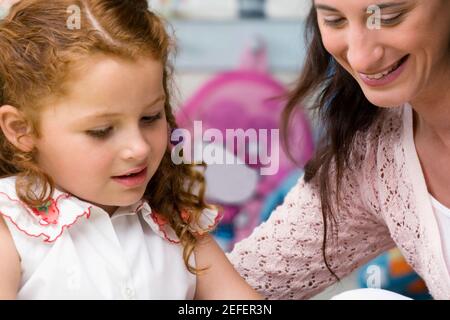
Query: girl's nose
x=136, y=147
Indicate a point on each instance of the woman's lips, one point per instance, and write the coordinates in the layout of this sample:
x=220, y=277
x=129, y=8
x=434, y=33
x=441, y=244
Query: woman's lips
x=388, y=78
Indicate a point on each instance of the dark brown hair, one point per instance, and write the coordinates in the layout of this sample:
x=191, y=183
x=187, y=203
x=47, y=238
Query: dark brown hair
x=343, y=111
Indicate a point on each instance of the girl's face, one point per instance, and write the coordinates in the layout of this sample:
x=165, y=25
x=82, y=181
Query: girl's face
x=397, y=52
x=110, y=124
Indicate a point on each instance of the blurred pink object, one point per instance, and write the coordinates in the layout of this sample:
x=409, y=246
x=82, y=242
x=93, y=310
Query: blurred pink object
x=247, y=98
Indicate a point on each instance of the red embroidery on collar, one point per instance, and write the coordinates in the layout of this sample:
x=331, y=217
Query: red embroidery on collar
x=159, y=219
x=49, y=212
x=185, y=215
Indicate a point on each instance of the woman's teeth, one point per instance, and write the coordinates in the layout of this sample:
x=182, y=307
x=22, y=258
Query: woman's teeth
x=378, y=76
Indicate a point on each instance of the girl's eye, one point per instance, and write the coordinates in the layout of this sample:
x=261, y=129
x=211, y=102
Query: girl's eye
x=151, y=119
x=101, y=133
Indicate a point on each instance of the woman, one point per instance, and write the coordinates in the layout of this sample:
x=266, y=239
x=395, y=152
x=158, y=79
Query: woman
x=379, y=77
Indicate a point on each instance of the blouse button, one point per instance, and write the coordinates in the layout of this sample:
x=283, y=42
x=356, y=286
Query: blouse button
x=128, y=293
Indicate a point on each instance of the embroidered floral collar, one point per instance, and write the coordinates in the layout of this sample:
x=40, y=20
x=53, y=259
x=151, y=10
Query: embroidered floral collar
x=48, y=221
x=209, y=219
x=63, y=210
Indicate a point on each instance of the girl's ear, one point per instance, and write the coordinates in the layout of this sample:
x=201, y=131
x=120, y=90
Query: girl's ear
x=16, y=129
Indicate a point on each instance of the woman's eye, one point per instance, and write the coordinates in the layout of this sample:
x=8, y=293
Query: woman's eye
x=151, y=119
x=390, y=18
x=386, y=19
x=100, y=133
x=333, y=22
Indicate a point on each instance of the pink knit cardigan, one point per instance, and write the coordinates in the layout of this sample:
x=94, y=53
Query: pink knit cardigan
x=384, y=203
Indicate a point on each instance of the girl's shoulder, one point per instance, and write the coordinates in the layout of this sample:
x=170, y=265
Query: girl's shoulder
x=48, y=221
x=208, y=221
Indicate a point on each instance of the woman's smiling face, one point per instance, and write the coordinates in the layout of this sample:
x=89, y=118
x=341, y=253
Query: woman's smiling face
x=397, y=50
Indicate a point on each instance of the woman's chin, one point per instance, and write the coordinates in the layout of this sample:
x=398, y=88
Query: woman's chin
x=387, y=104
x=386, y=100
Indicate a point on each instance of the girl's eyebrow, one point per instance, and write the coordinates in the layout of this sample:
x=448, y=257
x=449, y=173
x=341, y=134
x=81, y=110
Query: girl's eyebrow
x=118, y=114
x=385, y=5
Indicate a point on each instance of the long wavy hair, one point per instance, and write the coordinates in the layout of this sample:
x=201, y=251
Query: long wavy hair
x=338, y=101
x=40, y=42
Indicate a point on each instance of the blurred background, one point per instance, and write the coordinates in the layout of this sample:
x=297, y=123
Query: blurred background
x=235, y=62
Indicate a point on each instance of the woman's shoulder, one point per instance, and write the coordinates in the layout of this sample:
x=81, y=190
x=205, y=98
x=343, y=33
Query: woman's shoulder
x=391, y=122
x=378, y=155
x=388, y=126
x=384, y=135
x=388, y=121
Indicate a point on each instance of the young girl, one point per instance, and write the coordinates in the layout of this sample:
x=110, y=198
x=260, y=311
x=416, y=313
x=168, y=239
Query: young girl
x=91, y=206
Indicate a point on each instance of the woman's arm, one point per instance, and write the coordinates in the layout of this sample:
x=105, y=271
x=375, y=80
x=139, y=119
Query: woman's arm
x=9, y=264
x=282, y=258
x=220, y=281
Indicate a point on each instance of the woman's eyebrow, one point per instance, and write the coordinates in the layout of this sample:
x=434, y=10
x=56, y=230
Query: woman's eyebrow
x=385, y=5
x=390, y=4
x=319, y=6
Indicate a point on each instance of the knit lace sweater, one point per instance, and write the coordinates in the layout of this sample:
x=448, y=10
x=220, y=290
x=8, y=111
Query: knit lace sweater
x=384, y=203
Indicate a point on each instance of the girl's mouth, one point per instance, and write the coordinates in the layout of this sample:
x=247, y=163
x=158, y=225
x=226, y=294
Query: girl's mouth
x=133, y=179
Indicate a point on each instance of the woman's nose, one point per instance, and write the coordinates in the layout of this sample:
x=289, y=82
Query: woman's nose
x=364, y=51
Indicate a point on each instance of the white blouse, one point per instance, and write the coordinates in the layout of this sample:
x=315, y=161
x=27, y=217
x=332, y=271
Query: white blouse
x=71, y=249
x=442, y=214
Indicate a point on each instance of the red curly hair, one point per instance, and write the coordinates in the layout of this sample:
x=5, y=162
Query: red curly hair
x=38, y=48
